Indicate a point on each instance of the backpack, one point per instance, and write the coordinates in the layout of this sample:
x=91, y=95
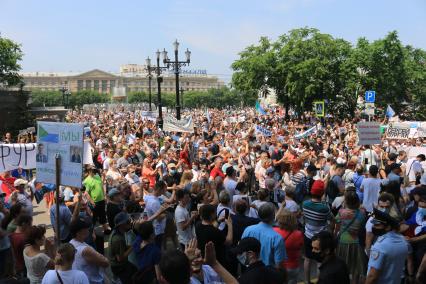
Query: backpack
x=301, y=190
x=332, y=191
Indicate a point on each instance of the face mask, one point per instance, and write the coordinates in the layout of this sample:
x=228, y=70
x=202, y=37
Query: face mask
x=317, y=256
x=383, y=209
x=242, y=258
x=173, y=172
x=378, y=232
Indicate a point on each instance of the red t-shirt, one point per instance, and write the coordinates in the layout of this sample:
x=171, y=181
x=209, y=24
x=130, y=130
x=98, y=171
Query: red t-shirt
x=17, y=241
x=293, y=246
x=217, y=172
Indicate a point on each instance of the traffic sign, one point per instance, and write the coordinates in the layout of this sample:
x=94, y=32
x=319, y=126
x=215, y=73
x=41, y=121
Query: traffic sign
x=370, y=96
x=369, y=109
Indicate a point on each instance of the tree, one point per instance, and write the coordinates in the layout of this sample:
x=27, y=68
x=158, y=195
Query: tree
x=138, y=97
x=10, y=55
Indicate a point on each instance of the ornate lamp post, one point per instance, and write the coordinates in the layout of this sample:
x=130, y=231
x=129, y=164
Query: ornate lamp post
x=158, y=69
x=149, y=68
x=176, y=65
x=63, y=90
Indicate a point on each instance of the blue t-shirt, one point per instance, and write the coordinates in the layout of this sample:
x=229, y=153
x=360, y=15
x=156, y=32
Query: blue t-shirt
x=272, y=250
x=148, y=256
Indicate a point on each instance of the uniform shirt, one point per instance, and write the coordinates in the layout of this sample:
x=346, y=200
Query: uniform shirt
x=388, y=255
x=272, y=250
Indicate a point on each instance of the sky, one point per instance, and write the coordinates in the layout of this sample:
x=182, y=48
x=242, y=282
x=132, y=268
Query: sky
x=81, y=35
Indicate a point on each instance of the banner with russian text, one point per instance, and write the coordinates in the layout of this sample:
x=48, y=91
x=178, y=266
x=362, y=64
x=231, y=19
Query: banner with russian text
x=171, y=124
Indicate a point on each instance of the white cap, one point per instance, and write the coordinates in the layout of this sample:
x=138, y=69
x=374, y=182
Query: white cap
x=19, y=182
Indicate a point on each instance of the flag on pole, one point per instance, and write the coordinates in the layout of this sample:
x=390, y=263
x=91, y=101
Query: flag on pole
x=208, y=115
x=390, y=112
x=259, y=108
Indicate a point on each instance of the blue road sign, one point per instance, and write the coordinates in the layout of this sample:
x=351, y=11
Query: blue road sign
x=370, y=96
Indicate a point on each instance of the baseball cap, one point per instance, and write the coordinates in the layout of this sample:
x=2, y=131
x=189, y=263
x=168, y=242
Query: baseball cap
x=317, y=188
x=113, y=192
x=121, y=218
x=380, y=217
x=78, y=225
x=19, y=182
x=247, y=244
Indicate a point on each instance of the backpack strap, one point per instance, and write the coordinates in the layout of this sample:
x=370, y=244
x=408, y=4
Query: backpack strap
x=59, y=277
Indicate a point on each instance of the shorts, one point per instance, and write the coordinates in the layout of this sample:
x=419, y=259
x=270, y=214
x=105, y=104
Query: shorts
x=99, y=213
x=308, y=247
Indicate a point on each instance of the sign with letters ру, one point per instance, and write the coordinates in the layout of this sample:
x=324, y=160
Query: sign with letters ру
x=398, y=130
x=65, y=139
x=369, y=133
x=13, y=156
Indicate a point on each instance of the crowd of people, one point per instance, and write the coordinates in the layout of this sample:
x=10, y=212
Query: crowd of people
x=225, y=204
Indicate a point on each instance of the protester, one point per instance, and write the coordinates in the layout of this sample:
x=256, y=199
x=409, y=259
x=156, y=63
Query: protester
x=17, y=242
x=332, y=270
x=64, y=273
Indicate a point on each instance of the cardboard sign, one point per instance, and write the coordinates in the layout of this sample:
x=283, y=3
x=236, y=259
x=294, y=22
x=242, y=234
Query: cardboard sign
x=65, y=139
x=265, y=132
x=398, y=130
x=369, y=133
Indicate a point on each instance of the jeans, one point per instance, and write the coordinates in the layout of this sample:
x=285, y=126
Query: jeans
x=292, y=275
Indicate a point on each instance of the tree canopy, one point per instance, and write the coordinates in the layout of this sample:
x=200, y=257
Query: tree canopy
x=10, y=55
x=306, y=65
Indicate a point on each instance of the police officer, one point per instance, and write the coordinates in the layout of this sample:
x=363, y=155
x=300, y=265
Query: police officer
x=388, y=254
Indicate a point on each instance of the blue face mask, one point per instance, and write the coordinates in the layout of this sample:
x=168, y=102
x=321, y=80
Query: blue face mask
x=173, y=172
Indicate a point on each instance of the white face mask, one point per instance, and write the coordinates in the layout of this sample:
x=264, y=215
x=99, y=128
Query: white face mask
x=242, y=258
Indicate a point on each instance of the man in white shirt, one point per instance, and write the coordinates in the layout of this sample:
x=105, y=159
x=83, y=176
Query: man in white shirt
x=184, y=221
x=152, y=206
x=371, y=187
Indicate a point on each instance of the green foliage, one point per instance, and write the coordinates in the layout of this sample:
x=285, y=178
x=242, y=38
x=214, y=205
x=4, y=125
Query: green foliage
x=306, y=65
x=138, y=97
x=10, y=55
x=54, y=98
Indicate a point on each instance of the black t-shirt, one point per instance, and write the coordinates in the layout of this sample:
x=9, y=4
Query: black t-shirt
x=276, y=156
x=239, y=224
x=333, y=271
x=170, y=180
x=258, y=273
x=111, y=211
x=209, y=233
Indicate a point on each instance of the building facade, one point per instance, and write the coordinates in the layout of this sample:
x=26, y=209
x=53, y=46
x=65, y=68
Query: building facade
x=133, y=80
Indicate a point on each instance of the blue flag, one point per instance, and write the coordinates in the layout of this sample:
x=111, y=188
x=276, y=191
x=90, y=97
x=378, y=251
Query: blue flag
x=390, y=112
x=259, y=108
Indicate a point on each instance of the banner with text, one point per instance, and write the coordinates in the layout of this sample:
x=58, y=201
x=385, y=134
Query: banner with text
x=65, y=139
x=183, y=125
x=398, y=130
x=369, y=133
x=308, y=132
x=265, y=132
x=13, y=156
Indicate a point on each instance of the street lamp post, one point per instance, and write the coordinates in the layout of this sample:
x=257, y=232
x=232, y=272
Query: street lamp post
x=158, y=69
x=181, y=96
x=63, y=90
x=149, y=69
x=176, y=65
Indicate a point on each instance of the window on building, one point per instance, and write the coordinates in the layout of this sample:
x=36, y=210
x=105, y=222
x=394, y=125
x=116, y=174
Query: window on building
x=88, y=84
x=80, y=85
x=104, y=86
x=96, y=85
x=112, y=84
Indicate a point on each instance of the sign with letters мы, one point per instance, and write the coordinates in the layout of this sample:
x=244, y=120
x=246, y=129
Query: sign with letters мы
x=65, y=139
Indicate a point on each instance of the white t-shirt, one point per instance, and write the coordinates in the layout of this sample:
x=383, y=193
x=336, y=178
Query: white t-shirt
x=36, y=266
x=68, y=277
x=371, y=188
x=182, y=215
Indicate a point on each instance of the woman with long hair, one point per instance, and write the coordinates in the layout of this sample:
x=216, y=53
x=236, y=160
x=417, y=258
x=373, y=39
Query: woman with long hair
x=350, y=220
x=37, y=262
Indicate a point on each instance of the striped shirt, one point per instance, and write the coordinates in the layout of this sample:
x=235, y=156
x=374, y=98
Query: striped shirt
x=316, y=215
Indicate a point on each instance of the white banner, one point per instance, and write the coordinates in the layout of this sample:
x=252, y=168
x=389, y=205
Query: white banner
x=421, y=130
x=65, y=139
x=265, y=132
x=369, y=133
x=173, y=125
x=308, y=132
x=13, y=156
x=398, y=130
